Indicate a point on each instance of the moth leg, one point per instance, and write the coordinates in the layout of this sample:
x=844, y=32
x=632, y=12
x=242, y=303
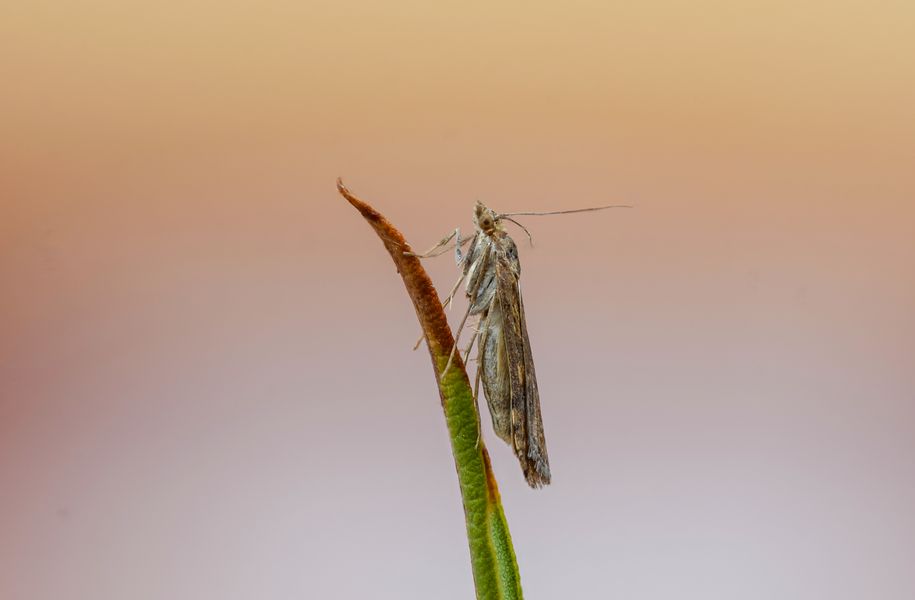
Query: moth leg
x=431, y=251
x=446, y=303
x=442, y=247
x=476, y=383
x=457, y=336
x=476, y=334
x=450, y=299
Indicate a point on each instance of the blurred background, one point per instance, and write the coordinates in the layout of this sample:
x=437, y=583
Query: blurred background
x=206, y=382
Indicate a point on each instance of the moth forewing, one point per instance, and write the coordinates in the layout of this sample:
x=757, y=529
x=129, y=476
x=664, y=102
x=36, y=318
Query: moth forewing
x=492, y=365
x=515, y=383
x=536, y=442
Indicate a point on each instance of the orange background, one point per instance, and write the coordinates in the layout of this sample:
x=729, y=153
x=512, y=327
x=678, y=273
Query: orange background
x=206, y=387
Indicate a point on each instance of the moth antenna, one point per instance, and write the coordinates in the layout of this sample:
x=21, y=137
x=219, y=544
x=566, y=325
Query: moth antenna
x=563, y=212
x=530, y=238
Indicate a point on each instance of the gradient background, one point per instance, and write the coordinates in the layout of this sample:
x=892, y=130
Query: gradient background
x=206, y=383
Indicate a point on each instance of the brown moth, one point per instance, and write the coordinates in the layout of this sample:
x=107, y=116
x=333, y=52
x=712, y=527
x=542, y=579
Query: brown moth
x=504, y=362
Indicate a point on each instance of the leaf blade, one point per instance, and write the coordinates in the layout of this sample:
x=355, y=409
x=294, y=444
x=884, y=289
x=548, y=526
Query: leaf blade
x=492, y=555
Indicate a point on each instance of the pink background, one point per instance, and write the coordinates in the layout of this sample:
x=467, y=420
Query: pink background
x=206, y=383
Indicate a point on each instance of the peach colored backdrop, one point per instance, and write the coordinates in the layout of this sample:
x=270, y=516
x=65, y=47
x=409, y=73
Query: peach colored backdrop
x=206, y=383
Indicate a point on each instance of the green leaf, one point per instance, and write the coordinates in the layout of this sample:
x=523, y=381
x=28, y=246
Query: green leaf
x=492, y=557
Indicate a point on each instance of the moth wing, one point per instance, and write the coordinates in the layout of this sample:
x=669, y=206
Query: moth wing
x=493, y=364
x=536, y=441
x=527, y=425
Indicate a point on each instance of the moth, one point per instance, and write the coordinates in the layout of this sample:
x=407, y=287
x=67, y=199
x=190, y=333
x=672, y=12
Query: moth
x=505, y=365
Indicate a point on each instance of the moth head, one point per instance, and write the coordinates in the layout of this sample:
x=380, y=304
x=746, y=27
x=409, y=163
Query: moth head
x=486, y=219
